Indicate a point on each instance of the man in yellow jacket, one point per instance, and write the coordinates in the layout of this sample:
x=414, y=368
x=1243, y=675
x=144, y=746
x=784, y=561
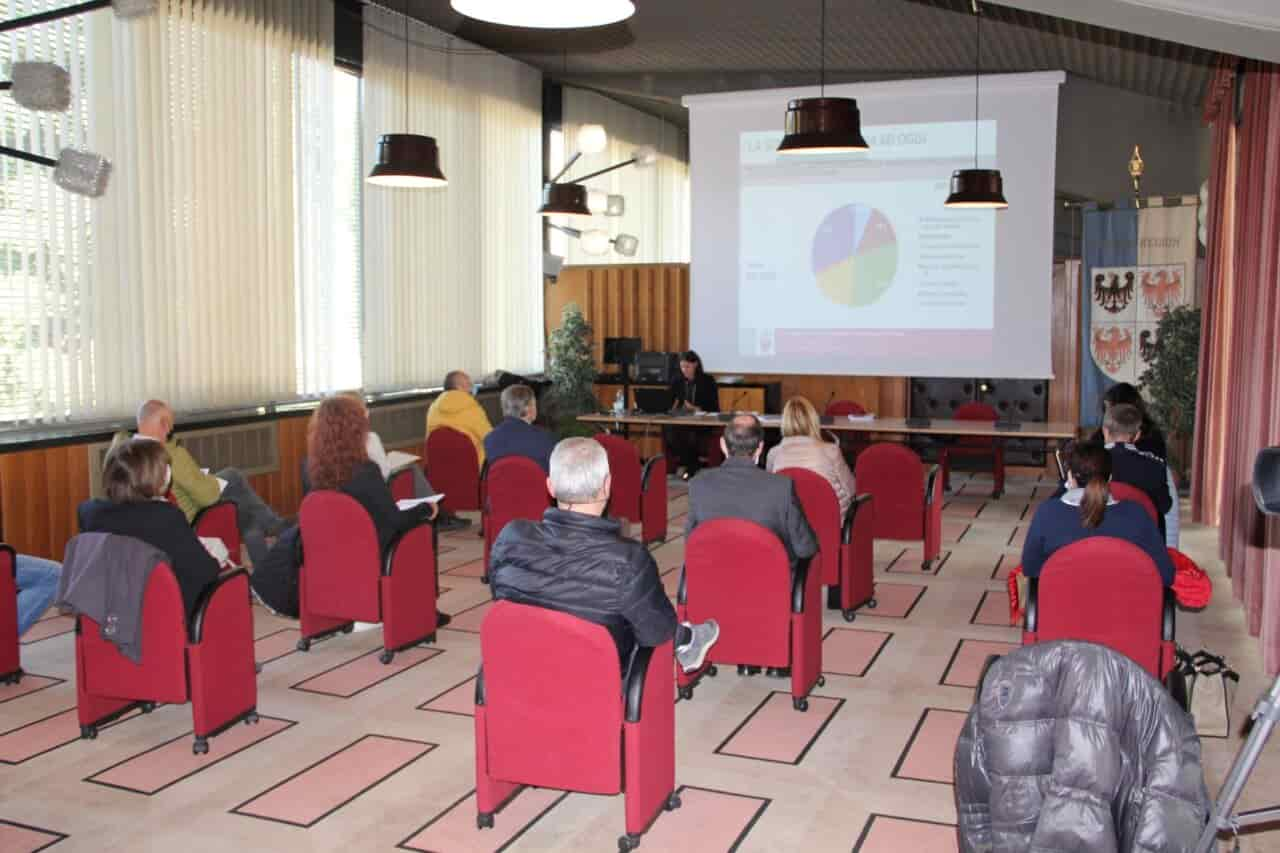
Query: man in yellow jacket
x=457, y=408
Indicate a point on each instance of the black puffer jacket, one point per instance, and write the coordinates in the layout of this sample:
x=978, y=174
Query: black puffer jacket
x=582, y=564
x=1074, y=747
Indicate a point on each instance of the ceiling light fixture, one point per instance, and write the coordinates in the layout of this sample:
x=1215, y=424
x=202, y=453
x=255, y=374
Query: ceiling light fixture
x=407, y=160
x=823, y=125
x=977, y=188
x=597, y=241
x=572, y=198
x=547, y=14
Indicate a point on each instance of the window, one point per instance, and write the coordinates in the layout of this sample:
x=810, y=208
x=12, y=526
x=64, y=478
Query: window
x=558, y=241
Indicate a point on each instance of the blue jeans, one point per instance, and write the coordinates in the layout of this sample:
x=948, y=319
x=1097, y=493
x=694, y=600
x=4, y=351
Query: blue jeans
x=37, y=587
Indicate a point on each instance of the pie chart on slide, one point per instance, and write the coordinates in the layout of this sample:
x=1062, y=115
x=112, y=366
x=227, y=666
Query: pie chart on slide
x=855, y=255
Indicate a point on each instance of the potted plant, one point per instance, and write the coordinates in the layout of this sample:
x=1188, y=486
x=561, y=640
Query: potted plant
x=1171, y=378
x=572, y=373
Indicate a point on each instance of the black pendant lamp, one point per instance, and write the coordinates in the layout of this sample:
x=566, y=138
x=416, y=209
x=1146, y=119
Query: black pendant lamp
x=407, y=160
x=977, y=188
x=823, y=125
x=564, y=200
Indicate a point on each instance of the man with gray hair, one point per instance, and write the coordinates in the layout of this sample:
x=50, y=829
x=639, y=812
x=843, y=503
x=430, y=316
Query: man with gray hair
x=516, y=435
x=578, y=562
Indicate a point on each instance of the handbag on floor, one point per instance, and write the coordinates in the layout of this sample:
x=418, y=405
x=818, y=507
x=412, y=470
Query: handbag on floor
x=1211, y=686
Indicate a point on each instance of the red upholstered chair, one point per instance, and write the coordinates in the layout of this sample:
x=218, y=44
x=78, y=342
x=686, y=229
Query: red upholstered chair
x=513, y=487
x=208, y=663
x=844, y=559
x=639, y=491
x=737, y=573
x=1106, y=591
x=976, y=446
x=907, y=505
x=401, y=484
x=219, y=520
x=1126, y=492
x=843, y=408
x=345, y=579
x=10, y=668
x=554, y=710
x=454, y=468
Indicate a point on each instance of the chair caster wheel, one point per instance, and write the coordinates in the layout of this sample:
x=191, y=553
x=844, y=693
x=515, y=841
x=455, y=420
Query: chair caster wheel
x=628, y=842
x=800, y=704
x=484, y=820
x=686, y=693
x=251, y=718
x=484, y=579
x=304, y=645
x=200, y=747
x=712, y=672
x=387, y=656
x=348, y=628
x=147, y=707
x=927, y=565
x=822, y=681
x=848, y=615
x=872, y=604
x=89, y=732
x=673, y=803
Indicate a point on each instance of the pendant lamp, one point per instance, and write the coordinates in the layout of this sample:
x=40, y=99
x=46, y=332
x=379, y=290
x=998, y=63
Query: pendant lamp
x=407, y=160
x=823, y=125
x=547, y=14
x=977, y=188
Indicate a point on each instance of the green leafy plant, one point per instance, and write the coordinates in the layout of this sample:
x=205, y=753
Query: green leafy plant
x=1171, y=378
x=573, y=370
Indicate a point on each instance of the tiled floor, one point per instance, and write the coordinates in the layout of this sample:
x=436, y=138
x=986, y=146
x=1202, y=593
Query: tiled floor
x=354, y=755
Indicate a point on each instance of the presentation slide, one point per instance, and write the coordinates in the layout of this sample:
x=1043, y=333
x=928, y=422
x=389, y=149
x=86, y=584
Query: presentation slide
x=850, y=263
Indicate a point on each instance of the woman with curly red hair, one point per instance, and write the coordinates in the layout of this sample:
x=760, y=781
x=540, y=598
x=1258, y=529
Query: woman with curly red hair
x=336, y=459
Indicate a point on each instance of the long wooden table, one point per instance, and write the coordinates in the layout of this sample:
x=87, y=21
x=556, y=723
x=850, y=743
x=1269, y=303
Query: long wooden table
x=1058, y=432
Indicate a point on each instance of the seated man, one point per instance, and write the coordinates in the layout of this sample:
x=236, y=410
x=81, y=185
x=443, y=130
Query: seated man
x=194, y=489
x=1122, y=427
x=37, y=587
x=457, y=408
x=516, y=435
x=741, y=489
x=578, y=562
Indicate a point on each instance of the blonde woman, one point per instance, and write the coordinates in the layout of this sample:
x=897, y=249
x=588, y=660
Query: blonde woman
x=802, y=447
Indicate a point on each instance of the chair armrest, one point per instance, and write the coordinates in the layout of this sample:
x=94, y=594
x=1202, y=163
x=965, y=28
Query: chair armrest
x=1032, y=612
x=799, y=576
x=195, y=631
x=388, y=559
x=480, y=686
x=681, y=590
x=929, y=484
x=1168, y=616
x=634, y=688
x=647, y=470
x=201, y=513
x=846, y=530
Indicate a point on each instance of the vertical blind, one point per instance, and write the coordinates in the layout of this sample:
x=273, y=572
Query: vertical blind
x=657, y=196
x=452, y=276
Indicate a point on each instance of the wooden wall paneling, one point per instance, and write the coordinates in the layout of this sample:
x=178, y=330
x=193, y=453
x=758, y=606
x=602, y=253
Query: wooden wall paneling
x=1064, y=391
x=39, y=492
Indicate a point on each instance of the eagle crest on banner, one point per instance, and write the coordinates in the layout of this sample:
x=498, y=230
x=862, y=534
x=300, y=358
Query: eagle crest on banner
x=1109, y=294
x=1162, y=290
x=1112, y=348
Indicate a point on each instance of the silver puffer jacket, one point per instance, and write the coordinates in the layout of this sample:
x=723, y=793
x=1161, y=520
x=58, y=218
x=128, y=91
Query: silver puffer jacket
x=1074, y=747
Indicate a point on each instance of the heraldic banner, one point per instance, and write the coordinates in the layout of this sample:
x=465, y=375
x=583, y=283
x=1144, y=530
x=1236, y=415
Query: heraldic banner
x=1139, y=263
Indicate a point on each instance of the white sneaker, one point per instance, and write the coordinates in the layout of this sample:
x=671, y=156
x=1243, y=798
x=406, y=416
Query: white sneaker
x=365, y=626
x=692, y=655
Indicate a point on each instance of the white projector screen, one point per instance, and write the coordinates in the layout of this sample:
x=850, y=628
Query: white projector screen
x=849, y=263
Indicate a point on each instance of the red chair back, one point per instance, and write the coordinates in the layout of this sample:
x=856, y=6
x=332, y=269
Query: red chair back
x=220, y=520
x=162, y=674
x=454, y=468
x=894, y=476
x=8, y=611
x=514, y=487
x=401, y=484
x=975, y=411
x=1106, y=591
x=624, y=470
x=341, y=560
x=737, y=573
x=843, y=408
x=822, y=509
x=1126, y=492
x=553, y=700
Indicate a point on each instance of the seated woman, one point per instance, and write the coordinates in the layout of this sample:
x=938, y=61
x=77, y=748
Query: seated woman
x=337, y=458
x=135, y=479
x=802, y=447
x=694, y=390
x=1087, y=509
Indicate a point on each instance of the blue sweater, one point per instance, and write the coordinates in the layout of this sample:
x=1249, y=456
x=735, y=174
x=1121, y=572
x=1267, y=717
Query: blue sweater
x=1057, y=524
x=514, y=437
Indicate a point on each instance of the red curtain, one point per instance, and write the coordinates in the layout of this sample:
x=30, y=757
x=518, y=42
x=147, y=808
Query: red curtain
x=1240, y=360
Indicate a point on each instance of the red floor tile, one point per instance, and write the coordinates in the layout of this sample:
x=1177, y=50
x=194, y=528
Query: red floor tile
x=454, y=830
x=852, y=651
x=469, y=620
x=459, y=699
x=894, y=600
x=909, y=561
x=54, y=626
x=31, y=683
x=930, y=751
x=992, y=609
x=968, y=660
x=776, y=732
x=355, y=676
x=887, y=834
x=277, y=644
x=470, y=569
x=20, y=838
x=706, y=820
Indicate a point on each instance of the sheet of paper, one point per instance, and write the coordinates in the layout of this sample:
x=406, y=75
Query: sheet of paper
x=217, y=549
x=410, y=503
x=398, y=459
x=222, y=485
x=869, y=416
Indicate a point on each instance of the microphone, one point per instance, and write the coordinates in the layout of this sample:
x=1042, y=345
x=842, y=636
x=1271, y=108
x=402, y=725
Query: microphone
x=124, y=9
x=133, y=8
x=41, y=86
x=80, y=172
x=830, y=400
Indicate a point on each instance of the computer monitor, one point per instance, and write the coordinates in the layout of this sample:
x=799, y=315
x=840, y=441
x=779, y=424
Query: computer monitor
x=621, y=351
x=656, y=367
